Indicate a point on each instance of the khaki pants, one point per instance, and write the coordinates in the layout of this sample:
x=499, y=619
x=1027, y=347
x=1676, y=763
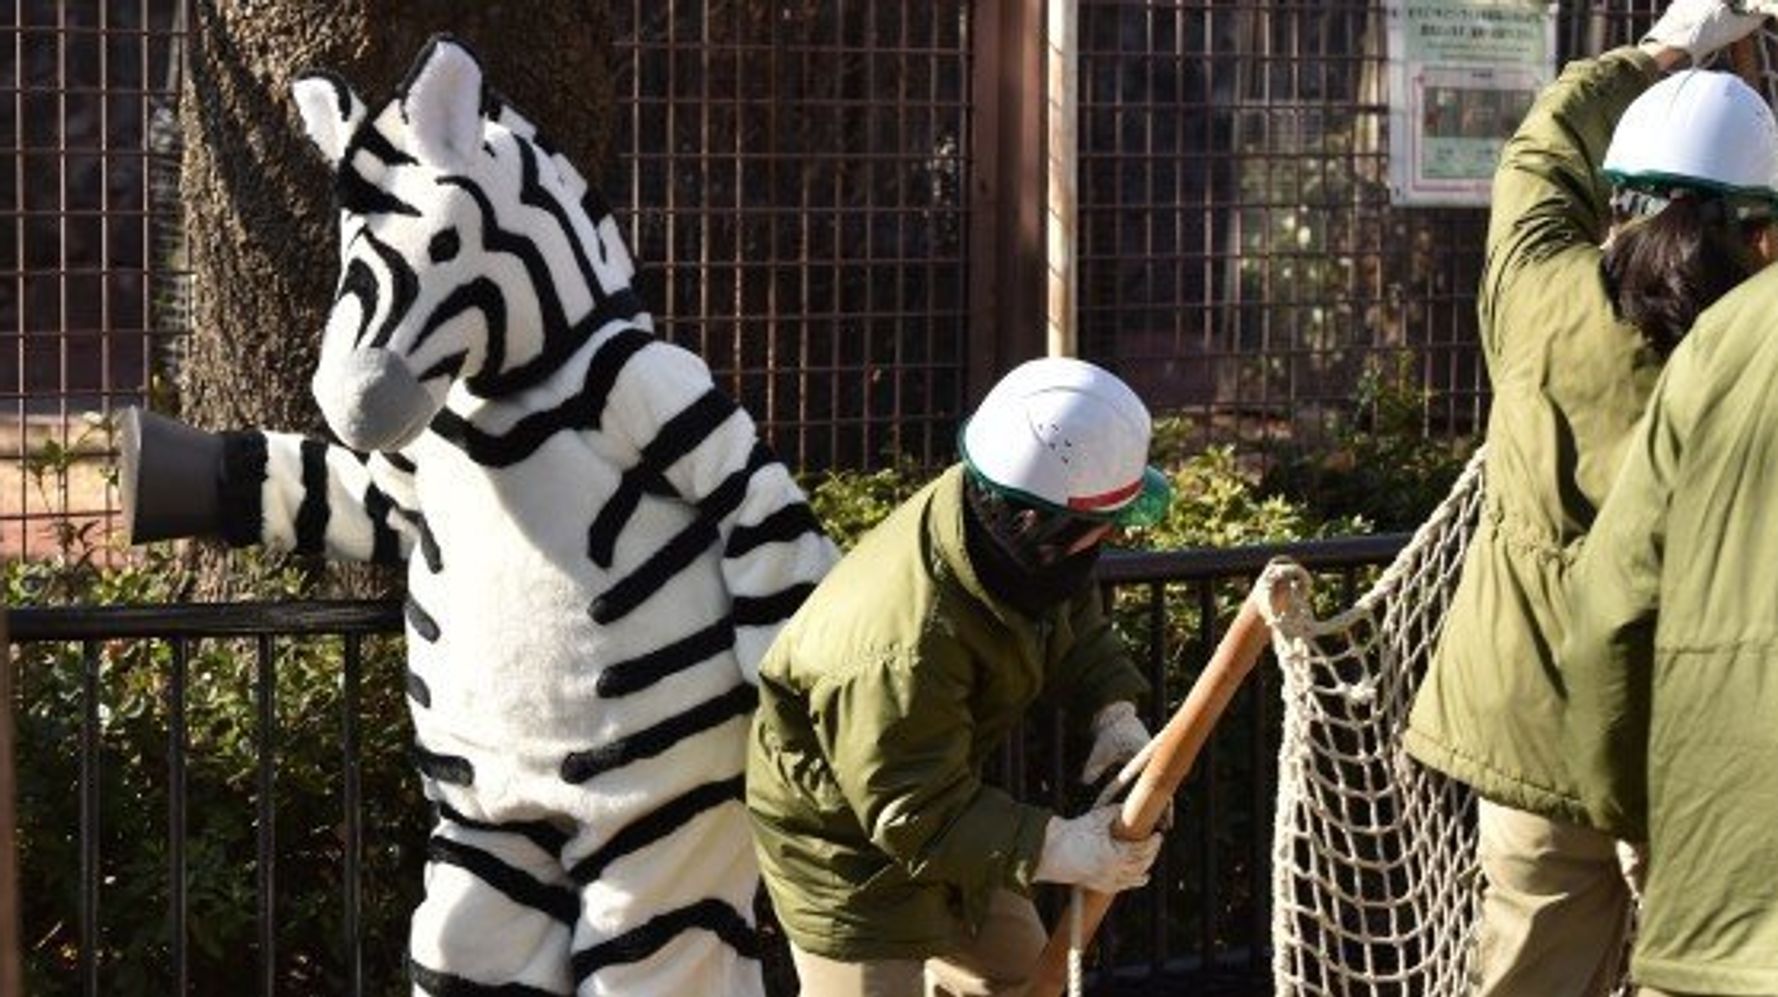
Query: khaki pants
x=1555, y=907
x=996, y=963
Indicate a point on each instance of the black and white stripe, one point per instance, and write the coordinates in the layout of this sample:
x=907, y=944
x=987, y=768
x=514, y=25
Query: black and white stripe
x=311, y=498
x=657, y=824
x=438, y=983
x=637, y=944
x=586, y=765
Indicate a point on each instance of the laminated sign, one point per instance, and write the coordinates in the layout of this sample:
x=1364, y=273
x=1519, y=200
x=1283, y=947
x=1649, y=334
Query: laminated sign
x=1462, y=74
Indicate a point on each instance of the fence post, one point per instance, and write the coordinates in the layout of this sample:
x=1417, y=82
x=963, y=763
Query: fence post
x=11, y=964
x=1006, y=191
x=1061, y=172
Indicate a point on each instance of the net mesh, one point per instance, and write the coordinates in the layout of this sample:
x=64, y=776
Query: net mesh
x=1375, y=884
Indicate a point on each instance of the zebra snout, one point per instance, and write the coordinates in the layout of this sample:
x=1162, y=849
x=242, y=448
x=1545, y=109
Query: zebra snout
x=372, y=401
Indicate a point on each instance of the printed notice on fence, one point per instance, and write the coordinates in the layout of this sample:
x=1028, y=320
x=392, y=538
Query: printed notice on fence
x=1462, y=74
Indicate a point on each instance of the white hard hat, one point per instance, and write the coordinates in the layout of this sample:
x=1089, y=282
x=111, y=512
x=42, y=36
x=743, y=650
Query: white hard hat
x=1697, y=129
x=1069, y=437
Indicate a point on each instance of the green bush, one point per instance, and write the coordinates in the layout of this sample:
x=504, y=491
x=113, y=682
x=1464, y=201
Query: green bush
x=1380, y=465
x=223, y=734
x=849, y=503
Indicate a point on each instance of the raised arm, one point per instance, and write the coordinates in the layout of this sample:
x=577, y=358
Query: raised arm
x=279, y=489
x=1548, y=193
x=298, y=494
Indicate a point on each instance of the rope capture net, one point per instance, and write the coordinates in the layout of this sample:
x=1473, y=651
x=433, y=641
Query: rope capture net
x=1375, y=888
x=1375, y=885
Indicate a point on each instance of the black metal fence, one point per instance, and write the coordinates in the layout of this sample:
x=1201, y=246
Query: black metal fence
x=113, y=913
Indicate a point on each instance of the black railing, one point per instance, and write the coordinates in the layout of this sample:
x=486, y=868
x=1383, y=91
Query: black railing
x=1205, y=916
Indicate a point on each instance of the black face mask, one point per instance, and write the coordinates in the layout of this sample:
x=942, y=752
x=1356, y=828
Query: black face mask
x=1033, y=579
x=1056, y=583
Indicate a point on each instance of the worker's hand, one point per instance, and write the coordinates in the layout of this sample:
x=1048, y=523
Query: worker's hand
x=1118, y=735
x=1082, y=851
x=1632, y=858
x=1700, y=27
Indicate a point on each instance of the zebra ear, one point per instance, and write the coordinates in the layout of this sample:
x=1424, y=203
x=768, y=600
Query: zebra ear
x=330, y=111
x=443, y=101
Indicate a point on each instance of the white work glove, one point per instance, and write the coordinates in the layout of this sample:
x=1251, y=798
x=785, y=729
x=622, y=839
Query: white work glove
x=1632, y=858
x=1701, y=27
x=1125, y=778
x=1118, y=735
x=1081, y=850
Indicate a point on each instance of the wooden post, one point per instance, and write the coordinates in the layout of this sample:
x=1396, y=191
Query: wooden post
x=1006, y=189
x=1061, y=177
x=12, y=979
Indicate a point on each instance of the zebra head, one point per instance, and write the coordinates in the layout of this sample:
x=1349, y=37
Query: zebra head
x=473, y=257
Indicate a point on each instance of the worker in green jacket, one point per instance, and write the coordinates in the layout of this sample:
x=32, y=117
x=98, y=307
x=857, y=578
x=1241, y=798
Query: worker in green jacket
x=890, y=863
x=1671, y=656
x=1622, y=207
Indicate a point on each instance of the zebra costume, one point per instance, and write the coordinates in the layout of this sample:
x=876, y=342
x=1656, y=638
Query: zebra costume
x=604, y=550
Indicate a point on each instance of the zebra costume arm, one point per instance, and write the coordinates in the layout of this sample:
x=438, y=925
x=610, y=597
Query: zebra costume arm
x=310, y=497
x=693, y=439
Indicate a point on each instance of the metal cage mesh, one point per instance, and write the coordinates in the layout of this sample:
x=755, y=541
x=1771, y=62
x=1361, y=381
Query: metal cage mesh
x=801, y=183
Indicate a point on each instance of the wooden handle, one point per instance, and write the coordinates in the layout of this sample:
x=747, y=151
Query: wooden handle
x=1176, y=748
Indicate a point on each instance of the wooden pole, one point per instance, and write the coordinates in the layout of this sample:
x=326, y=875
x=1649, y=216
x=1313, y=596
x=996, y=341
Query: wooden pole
x=12, y=980
x=1006, y=276
x=1176, y=747
x=1061, y=170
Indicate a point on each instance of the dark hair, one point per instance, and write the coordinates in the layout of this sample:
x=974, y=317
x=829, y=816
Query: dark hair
x=1663, y=270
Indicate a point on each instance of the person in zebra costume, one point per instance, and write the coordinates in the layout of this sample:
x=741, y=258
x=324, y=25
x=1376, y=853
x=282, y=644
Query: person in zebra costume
x=604, y=548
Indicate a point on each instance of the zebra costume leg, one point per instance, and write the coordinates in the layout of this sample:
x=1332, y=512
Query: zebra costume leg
x=676, y=920
x=499, y=910
x=659, y=903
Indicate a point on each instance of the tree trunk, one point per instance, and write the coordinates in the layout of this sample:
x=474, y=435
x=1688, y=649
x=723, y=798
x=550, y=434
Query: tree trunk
x=259, y=212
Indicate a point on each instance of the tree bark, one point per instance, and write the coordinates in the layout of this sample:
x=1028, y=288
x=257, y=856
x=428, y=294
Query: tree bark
x=259, y=213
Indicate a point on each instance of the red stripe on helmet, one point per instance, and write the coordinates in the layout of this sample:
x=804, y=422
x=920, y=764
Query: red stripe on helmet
x=1093, y=503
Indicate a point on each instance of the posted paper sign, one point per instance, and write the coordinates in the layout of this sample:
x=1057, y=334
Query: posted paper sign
x=1462, y=74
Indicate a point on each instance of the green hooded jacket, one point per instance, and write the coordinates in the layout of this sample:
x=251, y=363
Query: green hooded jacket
x=880, y=701
x=1569, y=382
x=1671, y=656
